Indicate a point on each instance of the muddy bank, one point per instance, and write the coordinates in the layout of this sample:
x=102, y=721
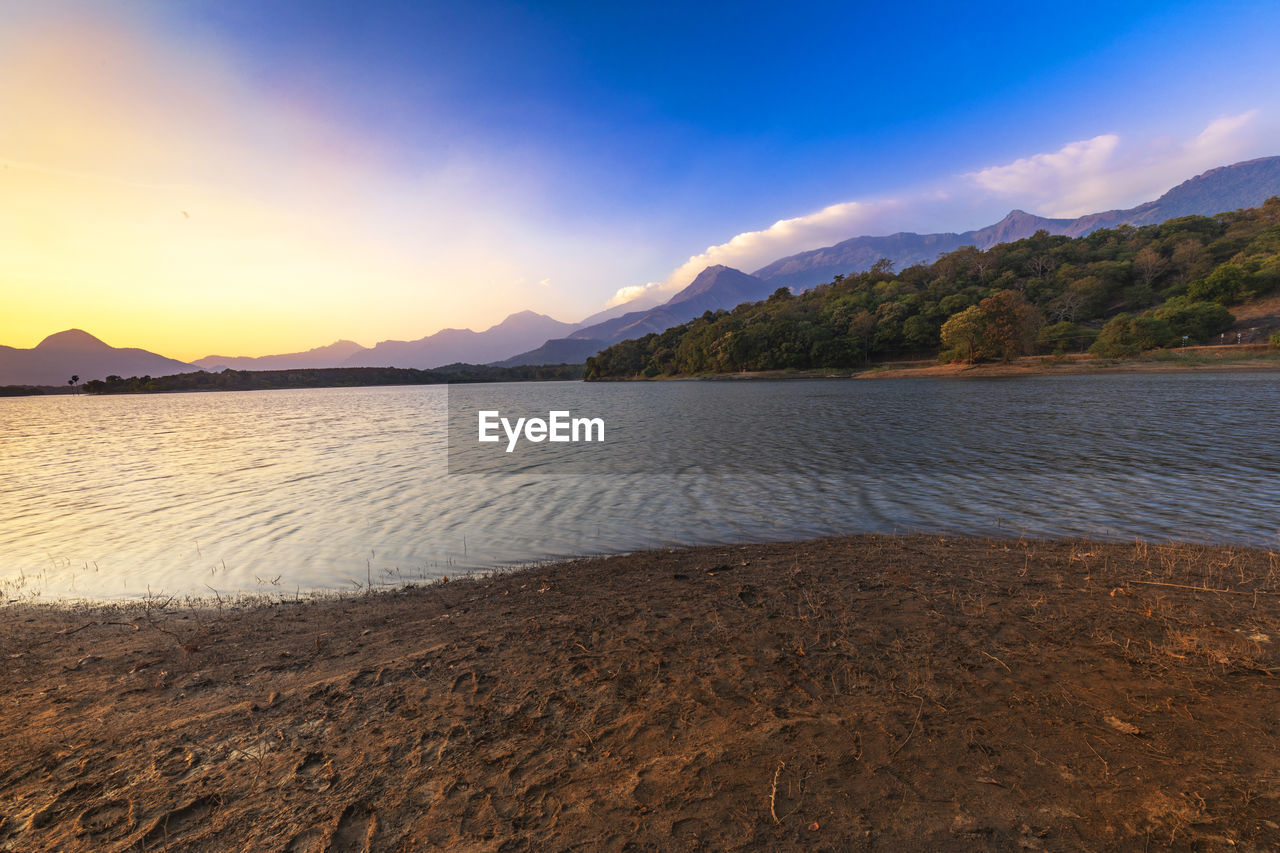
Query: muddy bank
x=854, y=693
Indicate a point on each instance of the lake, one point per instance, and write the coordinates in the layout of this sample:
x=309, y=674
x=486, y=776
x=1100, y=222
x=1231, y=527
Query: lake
x=281, y=492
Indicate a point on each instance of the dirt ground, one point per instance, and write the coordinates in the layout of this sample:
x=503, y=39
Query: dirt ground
x=1248, y=357
x=856, y=693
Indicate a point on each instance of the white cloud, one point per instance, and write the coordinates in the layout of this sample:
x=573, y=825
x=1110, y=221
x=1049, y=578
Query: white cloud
x=752, y=249
x=631, y=293
x=1069, y=175
x=1224, y=136
x=1107, y=172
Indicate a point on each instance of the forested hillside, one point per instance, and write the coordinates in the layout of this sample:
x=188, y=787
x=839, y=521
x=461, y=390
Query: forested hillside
x=1116, y=291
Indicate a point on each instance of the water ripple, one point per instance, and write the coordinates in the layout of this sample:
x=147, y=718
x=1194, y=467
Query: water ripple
x=320, y=489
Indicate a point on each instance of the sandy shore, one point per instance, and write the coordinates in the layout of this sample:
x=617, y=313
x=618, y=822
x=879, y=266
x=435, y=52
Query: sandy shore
x=1249, y=357
x=859, y=693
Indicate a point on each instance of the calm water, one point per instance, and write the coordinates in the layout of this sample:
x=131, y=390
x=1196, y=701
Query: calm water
x=282, y=491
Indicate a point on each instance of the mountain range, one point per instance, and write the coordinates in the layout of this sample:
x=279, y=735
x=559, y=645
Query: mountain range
x=1241, y=185
x=448, y=346
x=539, y=339
x=58, y=357
x=518, y=332
x=327, y=356
x=1246, y=184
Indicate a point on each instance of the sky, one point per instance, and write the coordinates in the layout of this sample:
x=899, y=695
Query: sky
x=242, y=177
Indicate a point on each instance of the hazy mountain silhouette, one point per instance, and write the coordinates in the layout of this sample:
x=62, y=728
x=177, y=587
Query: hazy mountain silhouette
x=556, y=351
x=60, y=356
x=332, y=355
x=715, y=287
x=643, y=302
x=519, y=332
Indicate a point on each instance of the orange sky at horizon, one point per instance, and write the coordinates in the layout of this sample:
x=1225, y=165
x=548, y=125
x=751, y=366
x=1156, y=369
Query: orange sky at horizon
x=190, y=215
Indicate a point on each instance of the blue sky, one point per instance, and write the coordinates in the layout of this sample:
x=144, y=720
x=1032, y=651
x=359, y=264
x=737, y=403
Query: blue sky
x=771, y=108
x=488, y=157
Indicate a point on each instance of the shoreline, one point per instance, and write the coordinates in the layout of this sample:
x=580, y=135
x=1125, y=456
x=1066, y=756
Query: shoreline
x=1246, y=357
x=1192, y=360
x=856, y=692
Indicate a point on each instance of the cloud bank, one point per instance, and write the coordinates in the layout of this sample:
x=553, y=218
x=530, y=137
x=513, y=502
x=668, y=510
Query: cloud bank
x=1102, y=173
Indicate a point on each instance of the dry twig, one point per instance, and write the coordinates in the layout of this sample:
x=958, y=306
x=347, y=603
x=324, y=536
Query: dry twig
x=773, y=792
x=1209, y=589
x=919, y=711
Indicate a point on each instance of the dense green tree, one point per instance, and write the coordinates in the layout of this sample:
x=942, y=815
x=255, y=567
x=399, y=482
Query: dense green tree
x=1117, y=339
x=965, y=333
x=1198, y=321
x=920, y=332
x=1124, y=335
x=954, y=303
x=1224, y=285
x=1012, y=323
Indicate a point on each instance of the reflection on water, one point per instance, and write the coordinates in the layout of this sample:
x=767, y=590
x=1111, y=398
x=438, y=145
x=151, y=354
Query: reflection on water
x=321, y=489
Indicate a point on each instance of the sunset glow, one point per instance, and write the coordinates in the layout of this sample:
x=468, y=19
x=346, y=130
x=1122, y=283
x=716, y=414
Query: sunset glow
x=179, y=182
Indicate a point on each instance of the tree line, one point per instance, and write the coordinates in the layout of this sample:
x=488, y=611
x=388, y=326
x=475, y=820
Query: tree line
x=1114, y=292
x=334, y=377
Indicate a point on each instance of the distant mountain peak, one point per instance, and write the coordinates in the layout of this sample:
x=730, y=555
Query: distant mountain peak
x=72, y=339
x=716, y=287
x=719, y=278
x=522, y=319
x=76, y=352
x=339, y=347
x=1017, y=218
